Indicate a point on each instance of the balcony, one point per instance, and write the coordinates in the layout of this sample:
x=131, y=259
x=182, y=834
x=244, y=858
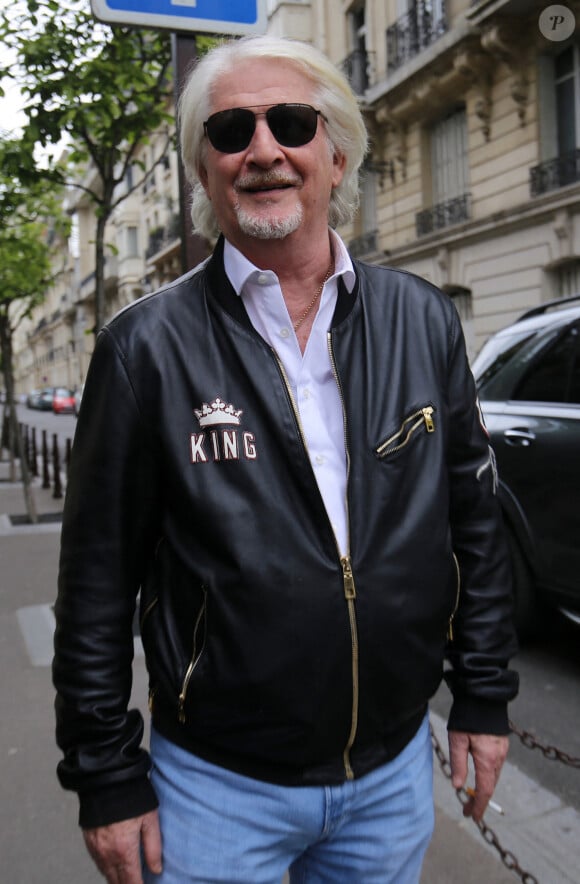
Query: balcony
x=452, y=211
x=414, y=31
x=357, y=68
x=556, y=173
x=162, y=237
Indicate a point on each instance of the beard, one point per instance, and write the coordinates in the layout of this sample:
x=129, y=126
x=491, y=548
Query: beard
x=254, y=222
x=268, y=227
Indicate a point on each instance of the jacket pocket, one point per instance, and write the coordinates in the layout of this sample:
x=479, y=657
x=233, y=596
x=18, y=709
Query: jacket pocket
x=198, y=645
x=420, y=421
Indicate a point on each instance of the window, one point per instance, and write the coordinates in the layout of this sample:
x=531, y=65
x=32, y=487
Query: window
x=132, y=242
x=555, y=377
x=569, y=279
x=449, y=174
x=566, y=81
x=559, y=121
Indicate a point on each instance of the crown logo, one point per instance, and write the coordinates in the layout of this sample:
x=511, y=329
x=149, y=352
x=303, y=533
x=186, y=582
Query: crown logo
x=217, y=413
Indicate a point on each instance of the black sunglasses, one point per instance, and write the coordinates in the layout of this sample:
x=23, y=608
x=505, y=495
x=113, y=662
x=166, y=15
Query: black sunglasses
x=292, y=125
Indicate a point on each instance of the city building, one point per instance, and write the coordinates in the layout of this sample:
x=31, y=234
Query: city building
x=472, y=181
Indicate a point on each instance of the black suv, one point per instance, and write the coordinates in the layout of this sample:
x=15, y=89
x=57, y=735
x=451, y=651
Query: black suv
x=528, y=379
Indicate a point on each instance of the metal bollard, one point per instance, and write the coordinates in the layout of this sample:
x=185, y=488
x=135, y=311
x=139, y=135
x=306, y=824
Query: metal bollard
x=57, y=492
x=33, y=453
x=45, y=472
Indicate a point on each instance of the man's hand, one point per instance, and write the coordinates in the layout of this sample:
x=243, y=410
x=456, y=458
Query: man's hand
x=116, y=849
x=488, y=753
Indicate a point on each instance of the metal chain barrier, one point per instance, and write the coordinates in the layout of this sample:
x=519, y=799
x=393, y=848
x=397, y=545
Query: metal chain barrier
x=507, y=857
x=549, y=752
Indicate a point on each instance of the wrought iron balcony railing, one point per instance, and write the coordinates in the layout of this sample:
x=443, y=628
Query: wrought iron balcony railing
x=445, y=214
x=556, y=173
x=363, y=245
x=414, y=31
x=357, y=68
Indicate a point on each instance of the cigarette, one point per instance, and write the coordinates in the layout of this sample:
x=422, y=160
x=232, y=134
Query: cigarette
x=492, y=804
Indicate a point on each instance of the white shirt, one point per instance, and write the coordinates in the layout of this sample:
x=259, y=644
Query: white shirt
x=310, y=374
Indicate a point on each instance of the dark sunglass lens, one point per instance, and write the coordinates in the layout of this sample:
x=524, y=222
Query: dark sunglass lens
x=231, y=131
x=292, y=125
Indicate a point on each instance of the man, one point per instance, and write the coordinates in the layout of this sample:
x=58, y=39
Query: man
x=283, y=452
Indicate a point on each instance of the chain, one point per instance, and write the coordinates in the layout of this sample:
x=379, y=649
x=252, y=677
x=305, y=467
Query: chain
x=507, y=857
x=550, y=752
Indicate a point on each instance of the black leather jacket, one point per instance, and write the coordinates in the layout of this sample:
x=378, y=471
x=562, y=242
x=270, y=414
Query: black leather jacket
x=267, y=651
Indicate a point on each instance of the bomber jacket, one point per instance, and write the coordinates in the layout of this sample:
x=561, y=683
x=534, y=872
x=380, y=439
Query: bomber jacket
x=190, y=487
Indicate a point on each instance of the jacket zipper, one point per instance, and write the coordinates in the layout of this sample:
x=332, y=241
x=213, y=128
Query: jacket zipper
x=349, y=591
x=457, y=592
x=421, y=417
x=195, y=658
x=345, y=561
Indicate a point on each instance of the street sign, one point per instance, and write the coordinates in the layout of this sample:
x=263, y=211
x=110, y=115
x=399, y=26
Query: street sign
x=235, y=17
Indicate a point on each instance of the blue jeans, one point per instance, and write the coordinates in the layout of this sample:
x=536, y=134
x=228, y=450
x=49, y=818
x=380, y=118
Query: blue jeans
x=219, y=826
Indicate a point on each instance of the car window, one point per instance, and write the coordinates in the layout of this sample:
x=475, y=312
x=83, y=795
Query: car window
x=499, y=380
x=555, y=376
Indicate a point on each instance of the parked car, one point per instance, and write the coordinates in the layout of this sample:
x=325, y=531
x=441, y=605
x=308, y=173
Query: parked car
x=78, y=395
x=63, y=401
x=44, y=401
x=32, y=399
x=528, y=380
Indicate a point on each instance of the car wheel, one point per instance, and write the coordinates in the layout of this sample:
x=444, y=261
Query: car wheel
x=527, y=608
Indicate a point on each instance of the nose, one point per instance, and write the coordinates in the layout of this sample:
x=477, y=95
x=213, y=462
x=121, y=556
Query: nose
x=263, y=149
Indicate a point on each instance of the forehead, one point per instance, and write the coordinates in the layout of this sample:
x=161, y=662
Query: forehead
x=261, y=81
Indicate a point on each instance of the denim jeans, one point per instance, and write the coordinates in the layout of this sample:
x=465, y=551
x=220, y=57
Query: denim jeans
x=219, y=826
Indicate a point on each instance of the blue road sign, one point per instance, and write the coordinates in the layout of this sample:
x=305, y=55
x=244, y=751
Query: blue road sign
x=210, y=16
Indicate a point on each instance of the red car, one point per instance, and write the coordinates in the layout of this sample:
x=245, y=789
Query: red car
x=63, y=401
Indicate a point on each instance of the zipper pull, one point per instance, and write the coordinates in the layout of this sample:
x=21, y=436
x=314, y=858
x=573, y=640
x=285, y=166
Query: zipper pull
x=181, y=708
x=348, y=579
x=428, y=418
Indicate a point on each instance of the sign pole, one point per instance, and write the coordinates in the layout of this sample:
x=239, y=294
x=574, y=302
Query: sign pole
x=194, y=248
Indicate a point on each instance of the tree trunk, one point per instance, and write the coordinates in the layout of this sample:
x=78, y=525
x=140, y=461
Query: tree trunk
x=14, y=435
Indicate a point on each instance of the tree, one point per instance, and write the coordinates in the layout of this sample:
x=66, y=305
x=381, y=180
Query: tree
x=29, y=214
x=102, y=89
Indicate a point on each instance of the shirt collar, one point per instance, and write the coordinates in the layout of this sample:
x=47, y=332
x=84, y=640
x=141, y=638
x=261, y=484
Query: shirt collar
x=240, y=270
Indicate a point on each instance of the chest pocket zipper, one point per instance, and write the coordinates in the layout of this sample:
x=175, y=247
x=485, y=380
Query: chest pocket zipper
x=420, y=419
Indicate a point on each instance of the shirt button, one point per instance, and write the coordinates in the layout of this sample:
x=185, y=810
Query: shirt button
x=319, y=459
x=284, y=332
x=306, y=393
x=263, y=278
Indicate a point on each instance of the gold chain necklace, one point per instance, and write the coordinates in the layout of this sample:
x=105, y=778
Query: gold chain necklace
x=306, y=312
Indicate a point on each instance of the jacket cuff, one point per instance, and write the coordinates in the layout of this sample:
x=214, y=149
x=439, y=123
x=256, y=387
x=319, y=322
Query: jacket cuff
x=121, y=801
x=476, y=716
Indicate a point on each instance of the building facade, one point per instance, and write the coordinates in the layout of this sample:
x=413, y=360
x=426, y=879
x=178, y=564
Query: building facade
x=472, y=181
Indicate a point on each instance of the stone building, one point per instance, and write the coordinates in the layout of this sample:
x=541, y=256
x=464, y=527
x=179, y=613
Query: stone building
x=473, y=179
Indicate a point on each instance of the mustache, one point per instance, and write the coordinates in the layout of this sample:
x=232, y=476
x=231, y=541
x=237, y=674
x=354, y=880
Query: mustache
x=271, y=178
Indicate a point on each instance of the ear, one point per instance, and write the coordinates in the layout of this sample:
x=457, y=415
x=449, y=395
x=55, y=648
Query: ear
x=338, y=167
x=203, y=177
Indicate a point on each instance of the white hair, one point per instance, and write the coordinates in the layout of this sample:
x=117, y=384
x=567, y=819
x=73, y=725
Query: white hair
x=333, y=96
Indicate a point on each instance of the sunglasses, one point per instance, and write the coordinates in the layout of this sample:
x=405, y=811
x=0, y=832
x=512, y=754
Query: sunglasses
x=292, y=125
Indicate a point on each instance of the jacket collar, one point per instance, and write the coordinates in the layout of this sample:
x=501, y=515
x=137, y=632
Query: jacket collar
x=222, y=290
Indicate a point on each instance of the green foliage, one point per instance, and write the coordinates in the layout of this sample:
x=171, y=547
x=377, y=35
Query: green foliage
x=30, y=219
x=98, y=90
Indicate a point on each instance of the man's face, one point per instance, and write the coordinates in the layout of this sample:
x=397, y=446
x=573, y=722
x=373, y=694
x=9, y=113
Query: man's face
x=268, y=191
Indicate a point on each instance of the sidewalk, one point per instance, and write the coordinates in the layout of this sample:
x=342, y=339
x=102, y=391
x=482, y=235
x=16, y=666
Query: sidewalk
x=39, y=838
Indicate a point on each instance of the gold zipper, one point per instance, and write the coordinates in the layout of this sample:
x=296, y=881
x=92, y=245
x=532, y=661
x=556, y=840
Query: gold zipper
x=349, y=590
x=422, y=417
x=195, y=657
x=458, y=590
x=345, y=561
x=350, y=596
